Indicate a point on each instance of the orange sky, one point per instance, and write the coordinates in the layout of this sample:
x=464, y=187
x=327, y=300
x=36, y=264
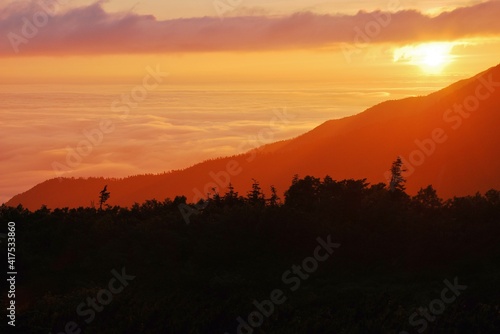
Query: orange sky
x=280, y=42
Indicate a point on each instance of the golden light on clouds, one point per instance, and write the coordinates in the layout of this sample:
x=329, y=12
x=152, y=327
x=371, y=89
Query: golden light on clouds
x=432, y=58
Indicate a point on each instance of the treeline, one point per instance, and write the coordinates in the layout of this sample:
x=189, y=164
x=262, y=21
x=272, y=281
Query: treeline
x=200, y=266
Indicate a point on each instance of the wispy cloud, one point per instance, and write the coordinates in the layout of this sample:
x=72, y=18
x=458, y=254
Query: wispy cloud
x=92, y=30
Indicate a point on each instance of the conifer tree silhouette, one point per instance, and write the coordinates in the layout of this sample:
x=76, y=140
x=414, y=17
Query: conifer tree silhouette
x=103, y=196
x=397, y=180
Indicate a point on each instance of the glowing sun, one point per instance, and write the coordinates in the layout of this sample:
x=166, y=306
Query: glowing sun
x=432, y=58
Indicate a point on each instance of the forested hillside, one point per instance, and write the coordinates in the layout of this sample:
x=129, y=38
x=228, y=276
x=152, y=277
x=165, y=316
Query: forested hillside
x=333, y=256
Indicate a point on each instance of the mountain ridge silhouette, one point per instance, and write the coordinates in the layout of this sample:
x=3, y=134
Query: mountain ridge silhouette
x=359, y=146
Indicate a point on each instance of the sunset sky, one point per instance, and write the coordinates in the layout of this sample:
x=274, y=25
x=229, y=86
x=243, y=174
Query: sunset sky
x=363, y=52
x=249, y=41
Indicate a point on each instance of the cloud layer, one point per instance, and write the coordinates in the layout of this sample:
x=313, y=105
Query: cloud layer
x=171, y=129
x=28, y=30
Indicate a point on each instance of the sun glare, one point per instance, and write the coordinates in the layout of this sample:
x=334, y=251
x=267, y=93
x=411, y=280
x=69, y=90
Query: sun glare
x=432, y=58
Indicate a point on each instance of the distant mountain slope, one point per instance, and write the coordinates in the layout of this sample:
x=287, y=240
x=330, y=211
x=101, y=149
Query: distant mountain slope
x=451, y=148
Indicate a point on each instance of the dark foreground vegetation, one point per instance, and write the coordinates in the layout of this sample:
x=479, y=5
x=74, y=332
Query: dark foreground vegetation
x=198, y=270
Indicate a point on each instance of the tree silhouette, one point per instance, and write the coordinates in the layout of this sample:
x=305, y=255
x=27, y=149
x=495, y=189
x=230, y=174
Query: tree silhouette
x=274, y=200
x=231, y=196
x=493, y=196
x=255, y=196
x=236, y=250
x=397, y=180
x=427, y=198
x=215, y=196
x=303, y=193
x=103, y=196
